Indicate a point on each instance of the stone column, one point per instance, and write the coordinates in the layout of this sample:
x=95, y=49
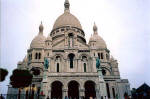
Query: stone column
x=65, y=92
x=98, y=96
x=48, y=94
x=81, y=93
x=102, y=84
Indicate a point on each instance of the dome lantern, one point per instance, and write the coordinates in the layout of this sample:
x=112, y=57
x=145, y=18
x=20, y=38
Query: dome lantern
x=41, y=28
x=67, y=5
x=95, y=28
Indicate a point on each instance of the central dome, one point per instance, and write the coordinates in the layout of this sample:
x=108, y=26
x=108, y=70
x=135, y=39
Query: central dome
x=67, y=19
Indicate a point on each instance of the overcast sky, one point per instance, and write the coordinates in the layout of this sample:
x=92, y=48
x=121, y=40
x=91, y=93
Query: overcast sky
x=123, y=24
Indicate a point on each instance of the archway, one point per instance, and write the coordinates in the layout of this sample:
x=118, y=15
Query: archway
x=89, y=89
x=73, y=90
x=56, y=90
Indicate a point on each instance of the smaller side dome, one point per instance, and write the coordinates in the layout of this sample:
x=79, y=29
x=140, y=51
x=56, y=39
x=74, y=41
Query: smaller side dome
x=39, y=40
x=100, y=43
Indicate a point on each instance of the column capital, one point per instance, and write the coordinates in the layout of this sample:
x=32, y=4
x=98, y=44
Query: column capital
x=82, y=90
x=65, y=90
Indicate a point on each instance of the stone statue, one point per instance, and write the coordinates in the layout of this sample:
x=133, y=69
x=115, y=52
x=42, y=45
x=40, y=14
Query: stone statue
x=98, y=63
x=46, y=63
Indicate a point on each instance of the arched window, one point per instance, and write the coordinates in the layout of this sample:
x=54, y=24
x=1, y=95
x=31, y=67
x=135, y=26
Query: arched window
x=29, y=57
x=62, y=29
x=99, y=55
x=36, y=55
x=84, y=67
x=102, y=56
x=113, y=89
x=84, y=58
x=108, y=92
x=107, y=56
x=104, y=72
x=39, y=56
x=71, y=57
x=70, y=41
x=57, y=58
x=57, y=67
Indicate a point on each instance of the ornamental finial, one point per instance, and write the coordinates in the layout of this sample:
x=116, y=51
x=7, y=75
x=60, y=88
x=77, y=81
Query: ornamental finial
x=95, y=28
x=41, y=28
x=67, y=5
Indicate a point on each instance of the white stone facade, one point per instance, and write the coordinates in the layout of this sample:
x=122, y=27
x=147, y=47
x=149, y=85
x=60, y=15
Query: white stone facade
x=72, y=59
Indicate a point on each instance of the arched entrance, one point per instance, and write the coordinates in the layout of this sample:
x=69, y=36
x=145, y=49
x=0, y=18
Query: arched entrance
x=89, y=89
x=73, y=90
x=56, y=90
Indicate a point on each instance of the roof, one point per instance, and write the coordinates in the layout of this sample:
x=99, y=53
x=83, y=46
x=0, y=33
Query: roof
x=143, y=87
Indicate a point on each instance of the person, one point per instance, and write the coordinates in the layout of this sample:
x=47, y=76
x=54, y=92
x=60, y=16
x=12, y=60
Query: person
x=1, y=97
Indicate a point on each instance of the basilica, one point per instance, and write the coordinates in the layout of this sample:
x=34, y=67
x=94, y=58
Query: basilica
x=72, y=72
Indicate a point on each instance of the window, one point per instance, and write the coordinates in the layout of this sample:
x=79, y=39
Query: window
x=36, y=55
x=47, y=54
x=107, y=56
x=102, y=56
x=104, y=72
x=31, y=57
x=57, y=58
x=84, y=67
x=108, y=92
x=71, y=57
x=47, y=43
x=70, y=41
x=57, y=67
x=113, y=89
x=99, y=55
x=78, y=31
x=39, y=56
x=57, y=31
x=62, y=29
x=84, y=58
